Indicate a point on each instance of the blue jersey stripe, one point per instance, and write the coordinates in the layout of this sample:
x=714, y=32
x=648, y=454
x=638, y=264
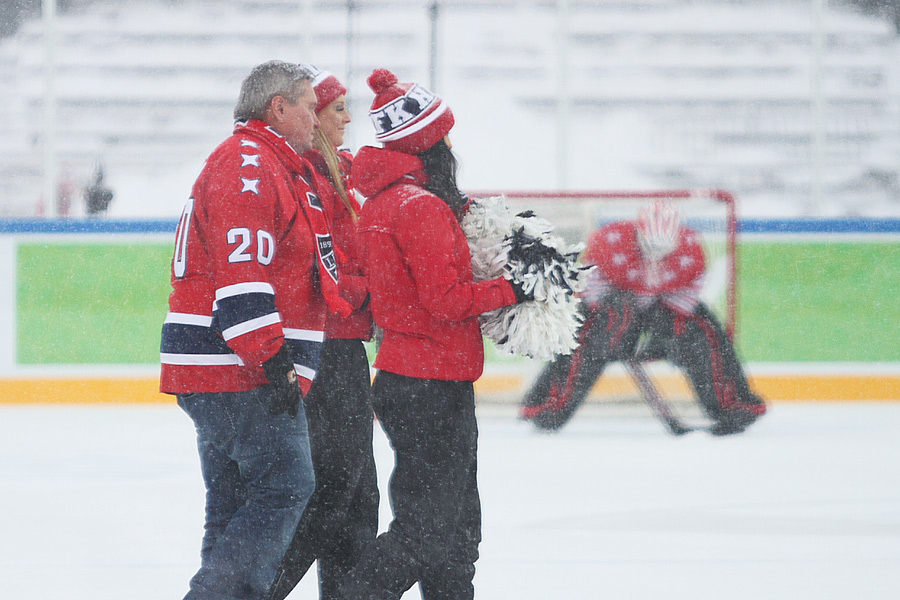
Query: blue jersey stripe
x=181, y=338
x=240, y=309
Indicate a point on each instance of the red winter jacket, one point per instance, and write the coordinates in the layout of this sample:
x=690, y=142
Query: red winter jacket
x=419, y=270
x=352, y=282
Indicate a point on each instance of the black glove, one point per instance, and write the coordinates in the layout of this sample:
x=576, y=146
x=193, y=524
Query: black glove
x=283, y=382
x=521, y=294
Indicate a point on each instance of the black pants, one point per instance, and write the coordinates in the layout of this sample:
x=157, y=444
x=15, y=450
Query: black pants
x=434, y=536
x=695, y=343
x=341, y=518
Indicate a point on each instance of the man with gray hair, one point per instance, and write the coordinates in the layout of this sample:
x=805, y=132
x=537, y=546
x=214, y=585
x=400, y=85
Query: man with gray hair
x=253, y=276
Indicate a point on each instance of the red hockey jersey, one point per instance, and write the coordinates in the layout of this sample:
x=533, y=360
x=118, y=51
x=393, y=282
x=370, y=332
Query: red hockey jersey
x=676, y=281
x=249, y=254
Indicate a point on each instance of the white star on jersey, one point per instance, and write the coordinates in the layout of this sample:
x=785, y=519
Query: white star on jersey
x=250, y=185
x=251, y=160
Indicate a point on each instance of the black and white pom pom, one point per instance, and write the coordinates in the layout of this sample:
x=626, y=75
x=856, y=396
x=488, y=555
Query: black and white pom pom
x=523, y=249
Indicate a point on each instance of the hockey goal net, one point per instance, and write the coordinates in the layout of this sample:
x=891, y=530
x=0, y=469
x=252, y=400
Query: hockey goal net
x=712, y=213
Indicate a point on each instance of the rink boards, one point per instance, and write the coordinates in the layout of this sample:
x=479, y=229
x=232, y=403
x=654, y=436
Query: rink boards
x=68, y=337
x=495, y=386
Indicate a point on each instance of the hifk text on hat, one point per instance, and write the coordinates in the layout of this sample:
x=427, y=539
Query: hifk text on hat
x=407, y=117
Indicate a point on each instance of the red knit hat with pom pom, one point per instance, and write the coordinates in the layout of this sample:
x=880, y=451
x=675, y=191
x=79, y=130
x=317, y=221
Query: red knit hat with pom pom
x=407, y=117
x=327, y=86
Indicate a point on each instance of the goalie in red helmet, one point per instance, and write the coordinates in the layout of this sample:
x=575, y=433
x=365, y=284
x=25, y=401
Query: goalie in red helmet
x=646, y=287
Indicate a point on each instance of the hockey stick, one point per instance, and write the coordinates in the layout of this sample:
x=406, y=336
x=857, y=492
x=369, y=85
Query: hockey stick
x=659, y=406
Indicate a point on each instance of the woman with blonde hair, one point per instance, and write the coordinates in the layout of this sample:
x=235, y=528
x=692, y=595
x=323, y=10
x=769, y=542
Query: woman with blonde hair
x=342, y=515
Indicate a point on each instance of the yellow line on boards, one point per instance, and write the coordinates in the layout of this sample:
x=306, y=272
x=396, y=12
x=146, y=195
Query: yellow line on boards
x=99, y=390
x=773, y=388
x=827, y=387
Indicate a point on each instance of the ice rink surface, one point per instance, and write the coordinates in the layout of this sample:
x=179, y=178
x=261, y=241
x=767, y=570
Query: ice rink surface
x=106, y=502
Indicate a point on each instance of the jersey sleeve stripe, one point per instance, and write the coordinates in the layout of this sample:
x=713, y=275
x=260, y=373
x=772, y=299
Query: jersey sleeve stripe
x=200, y=359
x=250, y=287
x=305, y=371
x=251, y=325
x=189, y=319
x=310, y=335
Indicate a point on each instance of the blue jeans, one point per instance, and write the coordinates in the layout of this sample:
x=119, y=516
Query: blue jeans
x=259, y=476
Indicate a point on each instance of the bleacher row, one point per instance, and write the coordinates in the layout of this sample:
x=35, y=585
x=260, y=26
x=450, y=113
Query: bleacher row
x=721, y=90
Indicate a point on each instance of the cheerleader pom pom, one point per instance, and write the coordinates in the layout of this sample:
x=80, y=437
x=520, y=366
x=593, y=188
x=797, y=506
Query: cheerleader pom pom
x=522, y=248
x=486, y=224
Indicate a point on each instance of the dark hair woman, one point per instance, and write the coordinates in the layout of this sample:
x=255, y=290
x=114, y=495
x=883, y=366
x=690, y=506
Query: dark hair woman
x=425, y=300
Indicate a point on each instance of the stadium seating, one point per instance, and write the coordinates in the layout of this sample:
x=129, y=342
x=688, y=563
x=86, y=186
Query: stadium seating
x=663, y=93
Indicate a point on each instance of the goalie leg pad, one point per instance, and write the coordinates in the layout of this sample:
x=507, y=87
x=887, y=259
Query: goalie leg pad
x=702, y=348
x=609, y=333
